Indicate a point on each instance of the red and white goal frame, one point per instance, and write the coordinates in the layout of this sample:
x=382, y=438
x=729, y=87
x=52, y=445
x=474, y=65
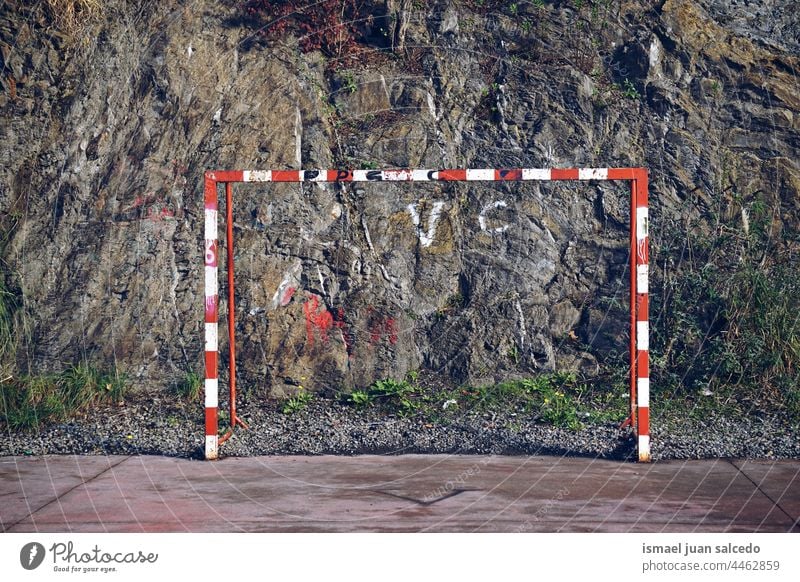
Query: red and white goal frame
x=639, y=419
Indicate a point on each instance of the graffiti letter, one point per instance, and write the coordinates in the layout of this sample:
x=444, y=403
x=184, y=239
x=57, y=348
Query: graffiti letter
x=211, y=253
x=487, y=208
x=426, y=238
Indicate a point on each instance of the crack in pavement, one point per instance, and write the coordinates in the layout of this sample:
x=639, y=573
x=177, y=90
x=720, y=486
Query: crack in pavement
x=64, y=493
x=795, y=520
x=424, y=502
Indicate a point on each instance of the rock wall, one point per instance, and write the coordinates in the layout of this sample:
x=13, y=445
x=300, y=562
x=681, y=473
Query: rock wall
x=108, y=129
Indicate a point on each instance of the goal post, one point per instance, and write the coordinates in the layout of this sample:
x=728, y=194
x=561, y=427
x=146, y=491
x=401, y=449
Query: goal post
x=639, y=418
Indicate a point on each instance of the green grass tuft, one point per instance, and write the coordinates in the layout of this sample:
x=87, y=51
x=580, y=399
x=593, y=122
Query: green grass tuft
x=298, y=402
x=559, y=399
x=29, y=401
x=190, y=387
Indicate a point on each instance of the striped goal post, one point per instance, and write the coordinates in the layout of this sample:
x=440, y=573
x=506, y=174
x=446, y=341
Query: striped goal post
x=639, y=418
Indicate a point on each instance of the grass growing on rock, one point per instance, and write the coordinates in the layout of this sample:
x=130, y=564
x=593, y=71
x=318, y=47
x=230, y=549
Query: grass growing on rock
x=29, y=401
x=558, y=399
x=189, y=388
x=727, y=329
x=71, y=15
x=7, y=307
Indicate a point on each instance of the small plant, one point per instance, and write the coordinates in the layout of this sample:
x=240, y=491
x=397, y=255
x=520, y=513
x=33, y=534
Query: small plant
x=452, y=304
x=394, y=394
x=359, y=398
x=547, y=396
x=558, y=409
x=594, y=13
x=390, y=388
x=538, y=3
x=349, y=82
x=559, y=399
x=402, y=396
x=513, y=354
x=223, y=421
x=629, y=90
x=514, y=9
x=83, y=386
x=298, y=402
x=190, y=387
x=330, y=26
x=607, y=405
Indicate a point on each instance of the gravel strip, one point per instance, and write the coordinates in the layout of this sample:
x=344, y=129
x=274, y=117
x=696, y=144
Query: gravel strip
x=162, y=427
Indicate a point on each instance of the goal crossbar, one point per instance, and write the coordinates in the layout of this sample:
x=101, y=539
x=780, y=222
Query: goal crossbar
x=639, y=418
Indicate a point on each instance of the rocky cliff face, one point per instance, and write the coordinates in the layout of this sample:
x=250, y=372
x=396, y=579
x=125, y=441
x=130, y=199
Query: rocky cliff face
x=108, y=128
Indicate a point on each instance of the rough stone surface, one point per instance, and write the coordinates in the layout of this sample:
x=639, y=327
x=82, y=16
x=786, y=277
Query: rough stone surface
x=106, y=136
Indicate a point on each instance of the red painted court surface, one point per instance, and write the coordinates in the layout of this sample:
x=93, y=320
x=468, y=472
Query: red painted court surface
x=395, y=494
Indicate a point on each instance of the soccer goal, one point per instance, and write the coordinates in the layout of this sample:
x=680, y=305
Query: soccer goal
x=639, y=418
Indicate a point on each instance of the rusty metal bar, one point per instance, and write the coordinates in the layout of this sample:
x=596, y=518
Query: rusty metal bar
x=231, y=301
x=634, y=416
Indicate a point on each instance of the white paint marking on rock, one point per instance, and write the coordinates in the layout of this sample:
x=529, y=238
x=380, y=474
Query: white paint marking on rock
x=426, y=238
x=482, y=217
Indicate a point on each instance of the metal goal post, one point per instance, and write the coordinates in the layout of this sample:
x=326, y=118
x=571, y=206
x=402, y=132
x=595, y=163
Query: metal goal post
x=639, y=419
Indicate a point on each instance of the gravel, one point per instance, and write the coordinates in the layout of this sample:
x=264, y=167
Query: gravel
x=159, y=426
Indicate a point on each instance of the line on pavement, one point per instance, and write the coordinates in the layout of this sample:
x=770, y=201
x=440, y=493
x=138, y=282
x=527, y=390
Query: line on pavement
x=795, y=521
x=65, y=493
x=424, y=502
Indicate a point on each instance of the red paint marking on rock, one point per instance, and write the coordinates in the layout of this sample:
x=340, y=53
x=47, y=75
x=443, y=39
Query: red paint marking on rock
x=391, y=330
x=347, y=337
x=287, y=296
x=381, y=327
x=322, y=321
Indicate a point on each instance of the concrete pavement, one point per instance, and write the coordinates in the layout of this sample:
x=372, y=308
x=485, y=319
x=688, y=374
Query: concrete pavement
x=395, y=493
